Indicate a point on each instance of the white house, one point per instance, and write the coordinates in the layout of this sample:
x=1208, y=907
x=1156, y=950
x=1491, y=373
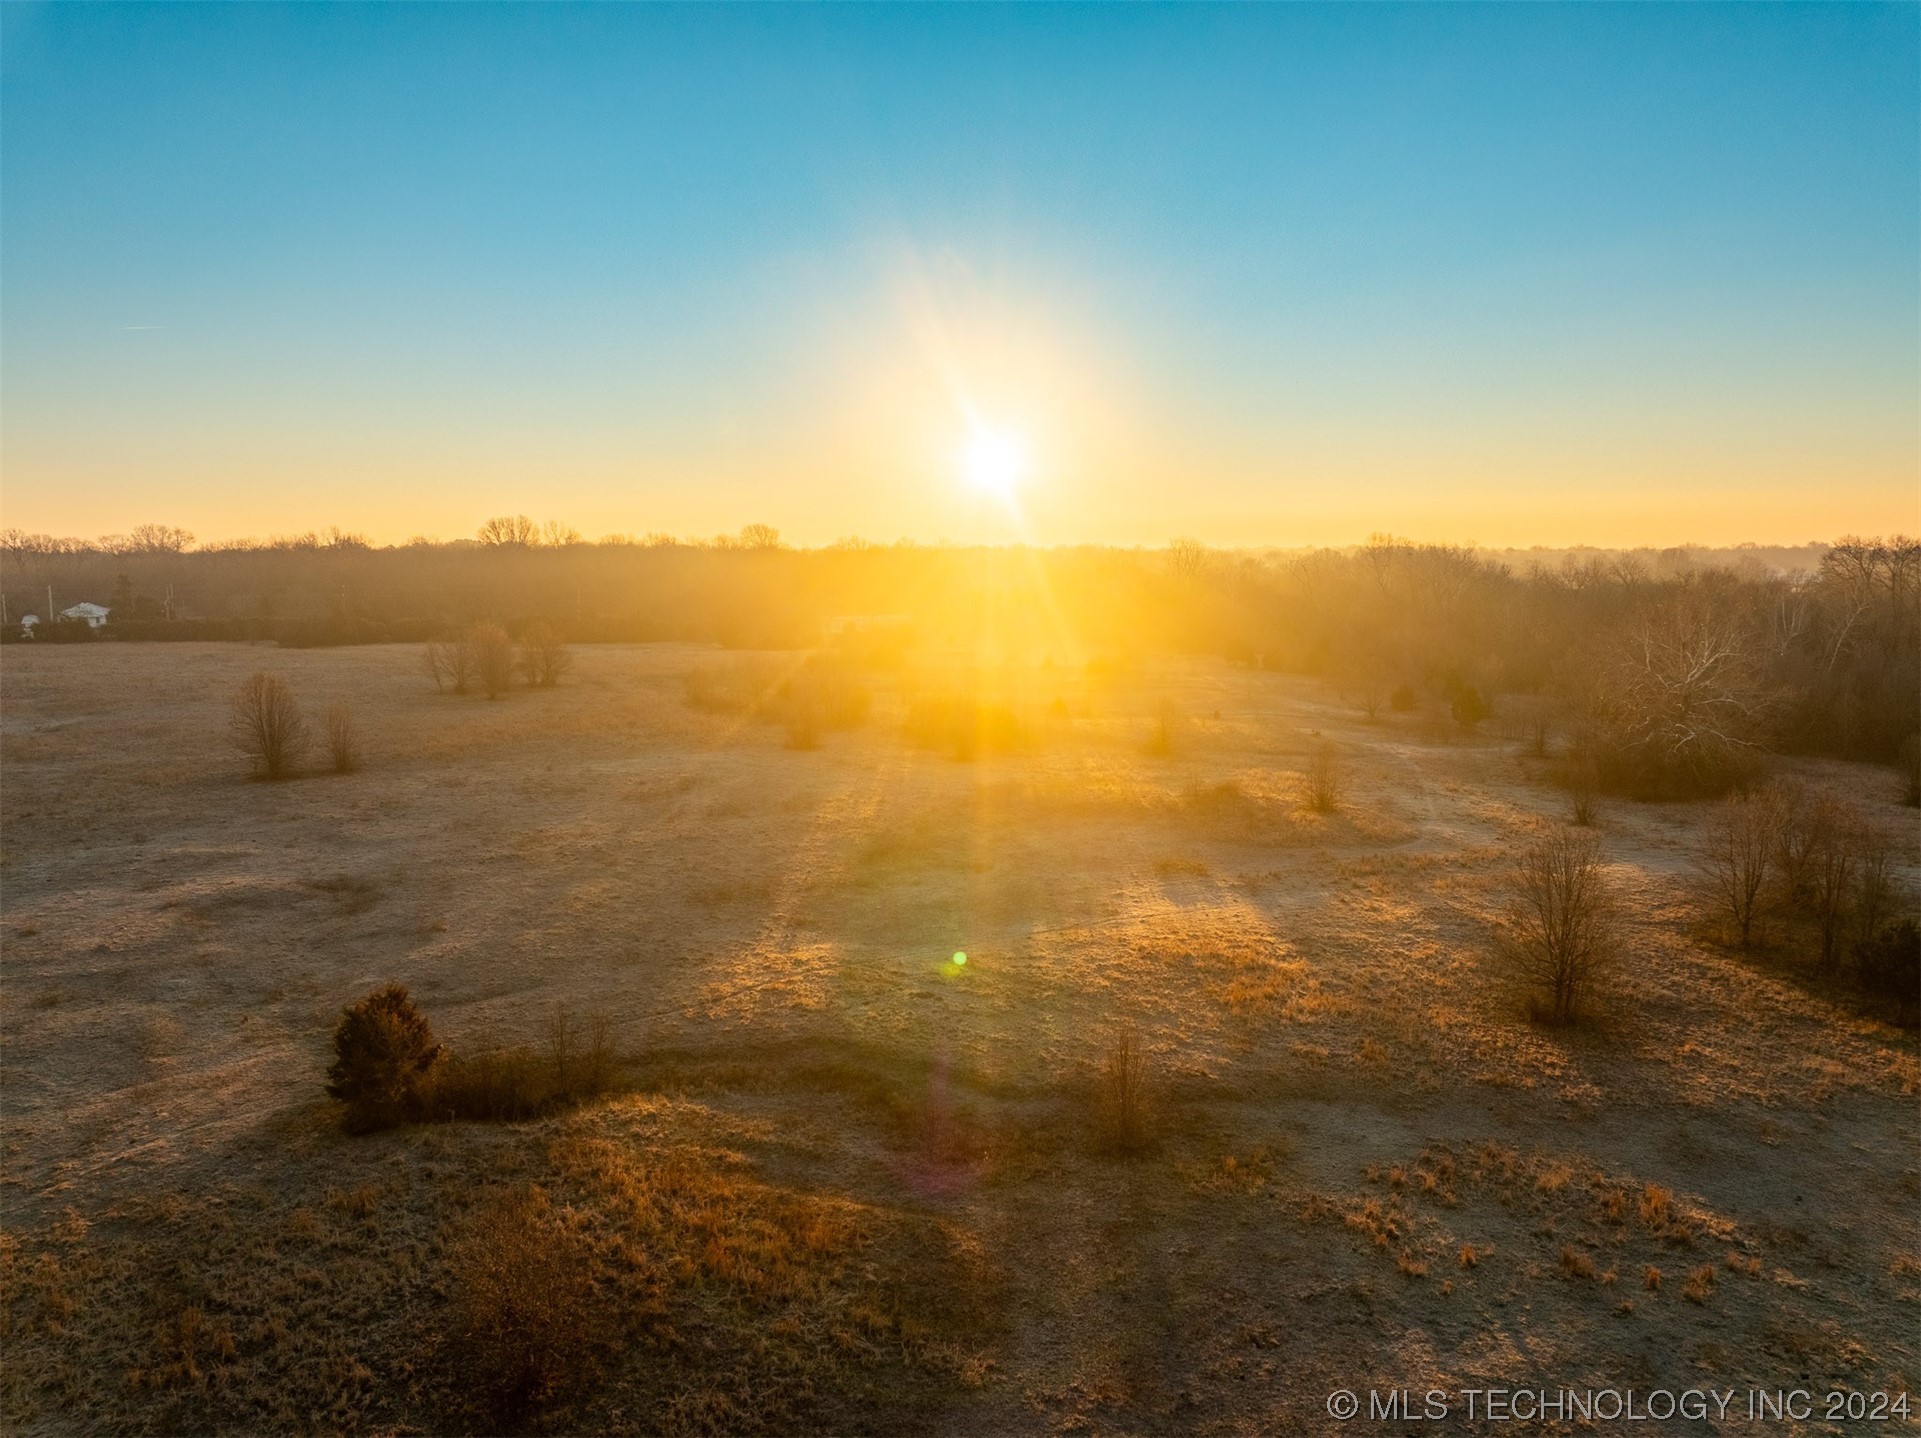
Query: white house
x=94, y=614
x=27, y=621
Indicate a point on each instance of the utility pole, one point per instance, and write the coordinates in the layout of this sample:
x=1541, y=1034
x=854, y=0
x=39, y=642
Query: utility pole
x=49, y=604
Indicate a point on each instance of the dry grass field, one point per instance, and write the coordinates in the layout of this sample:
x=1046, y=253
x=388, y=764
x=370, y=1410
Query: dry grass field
x=842, y=1181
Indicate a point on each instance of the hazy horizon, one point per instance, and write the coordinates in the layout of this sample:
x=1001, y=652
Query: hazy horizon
x=333, y=535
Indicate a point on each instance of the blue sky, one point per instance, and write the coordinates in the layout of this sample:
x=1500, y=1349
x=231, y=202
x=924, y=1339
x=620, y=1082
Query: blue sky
x=1273, y=274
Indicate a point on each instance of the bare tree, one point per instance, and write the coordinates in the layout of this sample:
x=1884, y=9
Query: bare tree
x=1560, y=926
x=343, y=739
x=434, y=664
x=1124, y=1098
x=1188, y=559
x=1833, y=849
x=1833, y=828
x=1528, y=718
x=1795, y=840
x=1684, y=698
x=266, y=725
x=1368, y=680
x=1164, y=737
x=449, y=663
x=759, y=536
x=1878, y=892
x=510, y=530
x=158, y=539
x=1738, y=857
x=543, y=657
x=490, y=658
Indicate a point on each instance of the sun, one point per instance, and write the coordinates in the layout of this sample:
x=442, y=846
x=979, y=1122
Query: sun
x=994, y=460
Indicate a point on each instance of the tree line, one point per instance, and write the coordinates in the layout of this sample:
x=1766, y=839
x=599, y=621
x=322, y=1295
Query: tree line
x=1665, y=674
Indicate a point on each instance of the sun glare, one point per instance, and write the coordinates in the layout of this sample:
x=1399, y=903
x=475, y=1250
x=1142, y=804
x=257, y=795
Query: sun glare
x=994, y=460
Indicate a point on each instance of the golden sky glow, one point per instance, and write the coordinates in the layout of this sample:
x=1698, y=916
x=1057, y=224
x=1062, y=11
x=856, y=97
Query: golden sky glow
x=1492, y=279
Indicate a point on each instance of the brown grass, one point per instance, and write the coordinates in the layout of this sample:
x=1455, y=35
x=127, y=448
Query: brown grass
x=527, y=1327
x=781, y=1234
x=1700, y=1285
x=1656, y=1208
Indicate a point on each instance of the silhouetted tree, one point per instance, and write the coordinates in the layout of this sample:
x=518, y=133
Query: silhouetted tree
x=515, y=530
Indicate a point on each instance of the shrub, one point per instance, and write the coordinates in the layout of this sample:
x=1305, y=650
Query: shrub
x=826, y=692
x=582, y=1064
x=265, y=723
x=512, y=1084
x=1535, y=717
x=544, y=659
x=1877, y=889
x=1560, y=924
x=1581, y=777
x=1124, y=1099
x=384, y=1055
x=490, y=657
x=1794, y=842
x=449, y=664
x=61, y=630
x=1468, y=707
x=1324, y=780
x=343, y=740
x=1403, y=700
x=717, y=689
x=803, y=729
x=1161, y=738
x=1831, y=845
x=968, y=728
x=491, y=1085
x=1888, y=963
x=1738, y=856
x=524, y=1291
